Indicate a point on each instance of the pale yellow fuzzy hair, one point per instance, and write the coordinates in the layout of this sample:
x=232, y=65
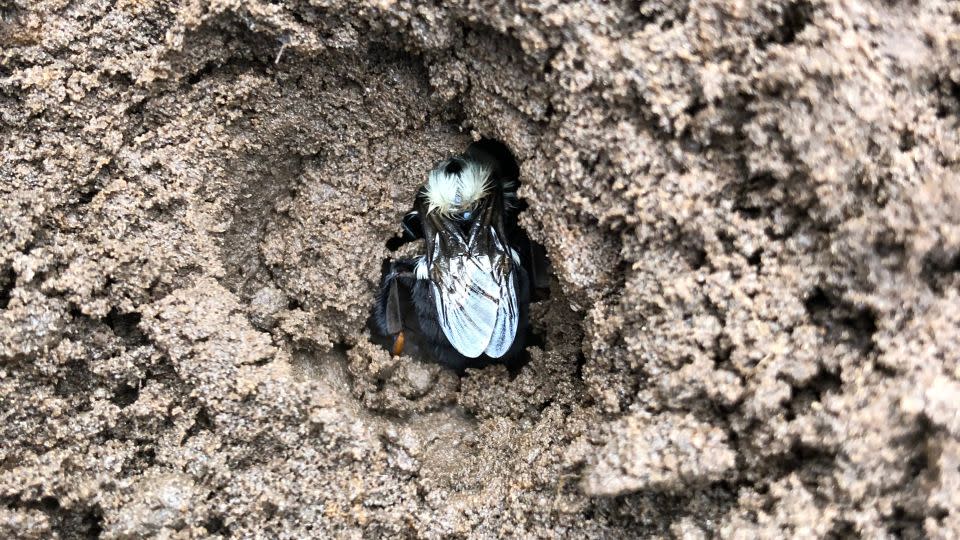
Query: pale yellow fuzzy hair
x=472, y=183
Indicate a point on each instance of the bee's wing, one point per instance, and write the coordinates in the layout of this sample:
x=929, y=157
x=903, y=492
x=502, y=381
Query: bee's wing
x=505, y=328
x=467, y=300
x=474, y=289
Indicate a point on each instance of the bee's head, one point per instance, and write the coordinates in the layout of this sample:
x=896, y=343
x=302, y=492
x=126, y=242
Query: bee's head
x=455, y=186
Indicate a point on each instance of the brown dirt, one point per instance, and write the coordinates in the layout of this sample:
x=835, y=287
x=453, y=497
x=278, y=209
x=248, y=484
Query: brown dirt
x=752, y=209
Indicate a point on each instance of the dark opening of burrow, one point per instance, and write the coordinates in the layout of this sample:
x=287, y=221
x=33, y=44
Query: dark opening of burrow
x=8, y=280
x=396, y=299
x=125, y=326
x=454, y=167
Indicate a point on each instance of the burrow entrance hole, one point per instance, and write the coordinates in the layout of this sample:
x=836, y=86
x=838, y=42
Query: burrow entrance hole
x=341, y=141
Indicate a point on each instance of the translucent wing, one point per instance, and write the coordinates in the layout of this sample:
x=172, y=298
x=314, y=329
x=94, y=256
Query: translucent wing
x=474, y=292
x=467, y=300
x=505, y=328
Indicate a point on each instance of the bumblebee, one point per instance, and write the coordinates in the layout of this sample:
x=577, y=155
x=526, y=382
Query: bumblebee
x=465, y=298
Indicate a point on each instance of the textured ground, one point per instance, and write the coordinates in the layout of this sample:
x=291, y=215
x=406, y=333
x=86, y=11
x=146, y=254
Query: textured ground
x=752, y=209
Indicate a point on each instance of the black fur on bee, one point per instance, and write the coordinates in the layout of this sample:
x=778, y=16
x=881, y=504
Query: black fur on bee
x=465, y=298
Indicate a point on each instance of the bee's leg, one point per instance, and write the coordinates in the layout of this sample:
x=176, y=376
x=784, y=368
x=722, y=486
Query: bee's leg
x=533, y=258
x=411, y=230
x=392, y=315
x=387, y=318
x=412, y=225
x=539, y=270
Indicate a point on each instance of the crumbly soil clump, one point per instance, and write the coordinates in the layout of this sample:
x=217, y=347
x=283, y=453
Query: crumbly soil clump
x=752, y=211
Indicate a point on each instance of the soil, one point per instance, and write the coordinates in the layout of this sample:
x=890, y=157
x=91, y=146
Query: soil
x=752, y=211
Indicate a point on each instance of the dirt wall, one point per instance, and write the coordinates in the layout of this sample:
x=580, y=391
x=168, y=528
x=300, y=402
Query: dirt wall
x=752, y=211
